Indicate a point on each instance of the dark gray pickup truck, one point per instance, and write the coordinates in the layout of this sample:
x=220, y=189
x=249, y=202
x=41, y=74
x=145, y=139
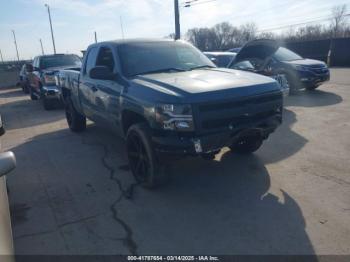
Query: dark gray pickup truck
x=167, y=98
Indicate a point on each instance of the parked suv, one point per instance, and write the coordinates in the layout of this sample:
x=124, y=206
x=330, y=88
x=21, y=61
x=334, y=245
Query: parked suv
x=42, y=79
x=165, y=97
x=270, y=57
x=220, y=59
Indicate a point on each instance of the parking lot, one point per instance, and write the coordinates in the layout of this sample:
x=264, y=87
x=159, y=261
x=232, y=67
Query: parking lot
x=74, y=193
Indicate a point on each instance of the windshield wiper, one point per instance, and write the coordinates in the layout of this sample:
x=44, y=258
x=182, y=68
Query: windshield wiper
x=162, y=71
x=202, y=66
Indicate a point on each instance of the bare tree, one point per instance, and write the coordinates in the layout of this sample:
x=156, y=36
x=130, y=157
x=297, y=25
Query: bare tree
x=224, y=34
x=246, y=33
x=266, y=35
x=203, y=38
x=339, y=20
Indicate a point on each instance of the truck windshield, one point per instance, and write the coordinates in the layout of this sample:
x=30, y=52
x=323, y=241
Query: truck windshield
x=284, y=54
x=152, y=57
x=60, y=60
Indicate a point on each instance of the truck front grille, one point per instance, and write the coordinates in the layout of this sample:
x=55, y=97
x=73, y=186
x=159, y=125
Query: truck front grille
x=237, y=120
x=237, y=112
x=240, y=103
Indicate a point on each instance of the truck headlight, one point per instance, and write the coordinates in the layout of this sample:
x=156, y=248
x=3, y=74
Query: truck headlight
x=49, y=80
x=175, y=117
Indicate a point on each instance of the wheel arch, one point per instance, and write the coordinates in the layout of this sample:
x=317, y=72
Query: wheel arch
x=131, y=117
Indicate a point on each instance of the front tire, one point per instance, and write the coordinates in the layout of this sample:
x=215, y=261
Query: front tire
x=294, y=84
x=143, y=160
x=75, y=120
x=48, y=105
x=32, y=95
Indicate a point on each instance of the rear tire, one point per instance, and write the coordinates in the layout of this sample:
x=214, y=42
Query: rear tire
x=26, y=88
x=143, y=160
x=75, y=120
x=247, y=144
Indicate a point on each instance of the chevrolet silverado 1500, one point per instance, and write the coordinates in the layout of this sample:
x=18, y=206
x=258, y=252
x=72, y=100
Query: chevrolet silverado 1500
x=166, y=97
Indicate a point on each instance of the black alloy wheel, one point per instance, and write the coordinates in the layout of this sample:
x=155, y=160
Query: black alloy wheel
x=143, y=160
x=76, y=121
x=138, y=159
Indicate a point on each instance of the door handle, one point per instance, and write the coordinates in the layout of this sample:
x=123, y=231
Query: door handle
x=91, y=86
x=94, y=88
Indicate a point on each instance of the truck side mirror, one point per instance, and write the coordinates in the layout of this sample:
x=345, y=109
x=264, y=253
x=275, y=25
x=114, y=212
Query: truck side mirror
x=7, y=163
x=101, y=73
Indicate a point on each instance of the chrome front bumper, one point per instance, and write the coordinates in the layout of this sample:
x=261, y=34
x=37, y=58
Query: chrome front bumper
x=51, y=92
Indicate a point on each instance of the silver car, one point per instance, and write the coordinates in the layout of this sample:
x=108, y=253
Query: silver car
x=7, y=163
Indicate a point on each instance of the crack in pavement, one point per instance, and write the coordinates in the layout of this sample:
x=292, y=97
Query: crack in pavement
x=34, y=234
x=128, y=241
x=78, y=221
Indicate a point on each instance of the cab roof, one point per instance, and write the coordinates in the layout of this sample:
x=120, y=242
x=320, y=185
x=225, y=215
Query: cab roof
x=135, y=41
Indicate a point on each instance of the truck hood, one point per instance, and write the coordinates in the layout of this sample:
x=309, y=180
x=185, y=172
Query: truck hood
x=196, y=85
x=54, y=70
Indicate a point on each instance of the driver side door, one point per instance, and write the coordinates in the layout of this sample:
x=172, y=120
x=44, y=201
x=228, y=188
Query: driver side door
x=106, y=97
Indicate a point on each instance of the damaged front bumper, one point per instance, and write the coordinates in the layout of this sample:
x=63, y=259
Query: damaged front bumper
x=204, y=144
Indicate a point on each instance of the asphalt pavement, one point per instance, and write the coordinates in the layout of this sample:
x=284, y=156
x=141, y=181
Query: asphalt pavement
x=74, y=193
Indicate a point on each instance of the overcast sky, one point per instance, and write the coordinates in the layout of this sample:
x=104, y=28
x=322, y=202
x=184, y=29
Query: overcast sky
x=75, y=21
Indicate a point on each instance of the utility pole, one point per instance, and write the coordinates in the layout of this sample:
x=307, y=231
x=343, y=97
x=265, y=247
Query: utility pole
x=2, y=59
x=42, y=48
x=53, y=39
x=177, y=19
x=14, y=38
x=95, y=37
x=121, y=26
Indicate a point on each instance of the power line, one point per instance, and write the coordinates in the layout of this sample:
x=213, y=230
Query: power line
x=197, y=3
x=293, y=19
x=273, y=9
x=297, y=24
x=188, y=2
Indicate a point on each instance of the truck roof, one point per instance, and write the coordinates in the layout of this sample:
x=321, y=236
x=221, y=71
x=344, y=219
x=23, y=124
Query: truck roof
x=40, y=56
x=136, y=40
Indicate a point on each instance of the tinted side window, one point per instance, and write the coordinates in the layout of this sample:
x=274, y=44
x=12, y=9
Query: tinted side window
x=105, y=58
x=90, y=59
